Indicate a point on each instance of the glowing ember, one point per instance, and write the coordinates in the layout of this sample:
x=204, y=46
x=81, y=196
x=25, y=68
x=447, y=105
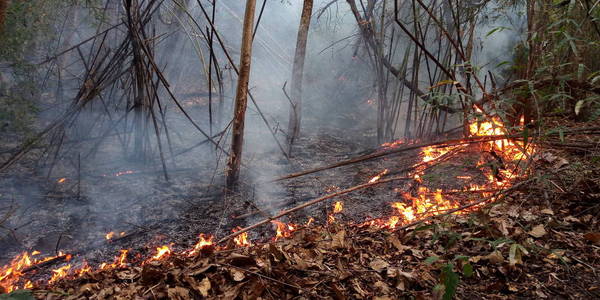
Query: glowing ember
x=162, y=252
x=393, y=144
x=310, y=220
x=283, y=230
x=376, y=178
x=62, y=180
x=205, y=241
x=109, y=235
x=338, y=207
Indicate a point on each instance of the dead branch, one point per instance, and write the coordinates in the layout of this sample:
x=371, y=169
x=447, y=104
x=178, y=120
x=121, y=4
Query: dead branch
x=466, y=206
x=312, y=202
x=450, y=142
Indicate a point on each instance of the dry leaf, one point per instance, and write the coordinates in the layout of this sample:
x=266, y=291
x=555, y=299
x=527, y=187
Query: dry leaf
x=379, y=264
x=204, y=287
x=593, y=237
x=236, y=274
x=538, y=231
x=495, y=257
x=179, y=293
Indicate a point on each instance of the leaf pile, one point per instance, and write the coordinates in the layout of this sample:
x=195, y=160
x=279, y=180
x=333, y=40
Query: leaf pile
x=478, y=255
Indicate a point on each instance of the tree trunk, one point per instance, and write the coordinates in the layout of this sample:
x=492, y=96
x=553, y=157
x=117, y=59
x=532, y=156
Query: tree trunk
x=297, y=75
x=241, y=97
x=3, y=7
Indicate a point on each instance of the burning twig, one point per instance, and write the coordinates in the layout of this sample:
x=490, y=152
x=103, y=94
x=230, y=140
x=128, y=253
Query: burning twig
x=312, y=202
x=466, y=206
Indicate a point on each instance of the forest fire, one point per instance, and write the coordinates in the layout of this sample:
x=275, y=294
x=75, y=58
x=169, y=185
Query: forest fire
x=10, y=275
x=242, y=239
x=162, y=252
x=204, y=242
x=283, y=230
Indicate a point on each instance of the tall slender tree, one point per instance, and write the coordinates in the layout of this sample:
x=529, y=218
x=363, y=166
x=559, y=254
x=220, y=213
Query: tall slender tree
x=298, y=73
x=241, y=97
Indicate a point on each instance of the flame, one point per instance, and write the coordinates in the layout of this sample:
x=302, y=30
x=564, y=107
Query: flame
x=393, y=144
x=204, y=241
x=283, y=230
x=242, y=239
x=85, y=268
x=330, y=219
x=310, y=220
x=378, y=176
x=338, y=206
x=109, y=235
x=12, y=273
x=59, y=273
x=162, y=252
x=61, y=180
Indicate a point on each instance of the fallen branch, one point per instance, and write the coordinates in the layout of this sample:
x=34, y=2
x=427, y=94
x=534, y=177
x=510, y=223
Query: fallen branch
x=312, y=202
x=466, y=206
x=451, y=142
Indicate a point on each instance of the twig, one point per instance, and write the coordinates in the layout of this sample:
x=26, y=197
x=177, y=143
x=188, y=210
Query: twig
x=309, y=203
x=451, y=211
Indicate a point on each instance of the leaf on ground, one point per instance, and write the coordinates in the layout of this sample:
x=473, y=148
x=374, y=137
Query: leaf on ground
x=538, y=231
x=593, y=237
x=378, y=264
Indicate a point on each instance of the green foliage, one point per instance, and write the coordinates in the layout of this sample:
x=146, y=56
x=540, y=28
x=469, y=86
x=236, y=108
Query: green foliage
x=17, y=295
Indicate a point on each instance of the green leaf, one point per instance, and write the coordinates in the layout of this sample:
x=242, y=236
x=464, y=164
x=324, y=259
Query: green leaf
x=561, y=135
x=497, y=29
x=580, y=69
x=430, y=260
x=450, y=280
x=18, y=295
x=468, y=270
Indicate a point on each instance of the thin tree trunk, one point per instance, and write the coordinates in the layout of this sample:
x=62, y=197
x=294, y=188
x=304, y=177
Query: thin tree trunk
x=3, y=7
x=297, y=74
x=241, y=97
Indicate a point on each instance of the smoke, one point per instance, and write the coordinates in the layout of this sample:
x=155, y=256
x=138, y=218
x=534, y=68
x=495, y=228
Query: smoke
x=98, y=144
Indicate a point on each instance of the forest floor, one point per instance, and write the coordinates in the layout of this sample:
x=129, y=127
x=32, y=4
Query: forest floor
x=542, y=240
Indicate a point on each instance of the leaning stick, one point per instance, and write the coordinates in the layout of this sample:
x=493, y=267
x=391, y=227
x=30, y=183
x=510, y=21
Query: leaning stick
x=309, y=203
x=451, y=142
x=470, y=140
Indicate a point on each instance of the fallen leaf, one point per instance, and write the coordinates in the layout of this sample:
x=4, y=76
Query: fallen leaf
x=495, y=257
x=593, y=237
x=538, y=231
x=204, y=287
x=379, y=264
x=179, y=293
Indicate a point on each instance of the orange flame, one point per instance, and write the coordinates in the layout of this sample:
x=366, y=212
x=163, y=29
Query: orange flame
x=162, y=252
x=338, y=206
x=376, y=178
x=59, y=273
x=242, y=239
x=283, y=230
x=109, y=235
x=204, y=241
x=61, y=180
